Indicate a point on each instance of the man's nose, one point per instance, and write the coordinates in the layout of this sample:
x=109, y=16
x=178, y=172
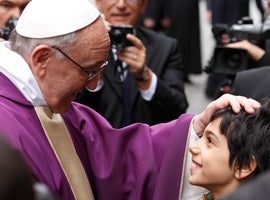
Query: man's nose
x=15, y=12
x=121, y=2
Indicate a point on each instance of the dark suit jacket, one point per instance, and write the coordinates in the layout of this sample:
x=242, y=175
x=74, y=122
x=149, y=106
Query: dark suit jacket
x=228, y=11
x=157, y=10
x=256, y=189
x=169, y=100
x=253, y=83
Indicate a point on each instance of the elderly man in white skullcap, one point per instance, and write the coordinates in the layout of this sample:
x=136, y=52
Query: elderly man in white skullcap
x=58, y=48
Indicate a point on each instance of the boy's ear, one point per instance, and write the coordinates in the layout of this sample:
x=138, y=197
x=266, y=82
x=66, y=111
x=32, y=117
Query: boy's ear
x=246, y=170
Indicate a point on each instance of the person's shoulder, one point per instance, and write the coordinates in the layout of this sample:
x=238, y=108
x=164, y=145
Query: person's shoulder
x=254, y=72
x=255, y=189
x=76, y=108
x=79, y=113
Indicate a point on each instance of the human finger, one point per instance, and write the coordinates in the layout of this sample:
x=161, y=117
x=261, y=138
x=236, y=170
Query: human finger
x=236, y=102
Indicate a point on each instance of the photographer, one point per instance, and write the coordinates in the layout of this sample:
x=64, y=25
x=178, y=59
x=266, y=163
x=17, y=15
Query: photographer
x=259, y=55
x=255, y=52
x=242, y=46
x=258, y=52
x=254, y=83
x=151, y=87
x=10, y=10
x=226, y=12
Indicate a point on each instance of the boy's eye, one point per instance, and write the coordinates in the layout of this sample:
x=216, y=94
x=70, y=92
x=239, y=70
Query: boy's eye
x=209, y=140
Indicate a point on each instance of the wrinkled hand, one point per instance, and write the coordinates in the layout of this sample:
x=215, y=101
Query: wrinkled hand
x=135, y=57
x=236, y=102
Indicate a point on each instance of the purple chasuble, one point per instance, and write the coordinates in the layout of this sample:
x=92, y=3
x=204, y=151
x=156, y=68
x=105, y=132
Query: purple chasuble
x=137, y=162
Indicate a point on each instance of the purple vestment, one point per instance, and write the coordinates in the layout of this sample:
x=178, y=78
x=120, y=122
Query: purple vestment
x=134, y=163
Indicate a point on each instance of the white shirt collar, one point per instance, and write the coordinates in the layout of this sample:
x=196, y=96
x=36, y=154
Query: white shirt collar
x=15, y=68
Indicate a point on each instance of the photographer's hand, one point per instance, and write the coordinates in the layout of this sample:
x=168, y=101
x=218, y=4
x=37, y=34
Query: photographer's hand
x=135, y=57
x=255, y=52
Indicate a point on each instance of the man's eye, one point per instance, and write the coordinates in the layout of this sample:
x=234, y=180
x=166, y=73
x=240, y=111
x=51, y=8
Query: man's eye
x=5, y=5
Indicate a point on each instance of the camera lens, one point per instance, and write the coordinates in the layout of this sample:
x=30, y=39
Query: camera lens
x=117, y=36
x=229, y=60
x=233, y=60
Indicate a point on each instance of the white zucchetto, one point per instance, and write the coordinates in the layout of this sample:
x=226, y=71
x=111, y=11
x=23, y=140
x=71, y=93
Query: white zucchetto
x=49, y=18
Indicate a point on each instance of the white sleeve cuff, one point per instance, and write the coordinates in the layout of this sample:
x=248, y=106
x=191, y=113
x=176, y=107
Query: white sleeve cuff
x=99, y=86
x=149, y=93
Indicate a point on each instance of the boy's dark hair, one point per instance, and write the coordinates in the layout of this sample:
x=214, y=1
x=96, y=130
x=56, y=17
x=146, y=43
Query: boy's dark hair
x=248, y=136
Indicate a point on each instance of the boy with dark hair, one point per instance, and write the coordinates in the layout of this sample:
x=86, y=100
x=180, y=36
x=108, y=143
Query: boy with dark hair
x=234, y=148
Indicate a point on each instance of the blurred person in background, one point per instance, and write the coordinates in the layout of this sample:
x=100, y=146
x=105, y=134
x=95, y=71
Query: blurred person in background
x=144, y=81
x=259, y=53
x=255, y=189
x=16, y=180
x=10, y=10
x=185, y=27
x=227, y=13
x=251, y=80
x=157, y=16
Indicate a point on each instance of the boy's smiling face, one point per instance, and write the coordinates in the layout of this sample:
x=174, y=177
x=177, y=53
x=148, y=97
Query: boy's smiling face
x=210, y=161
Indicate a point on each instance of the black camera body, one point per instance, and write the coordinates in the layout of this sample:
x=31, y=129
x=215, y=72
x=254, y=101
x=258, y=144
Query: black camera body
x=5, y=33
x=118, y=36
x=231, y=60
x=245, y=29
x=10, y=25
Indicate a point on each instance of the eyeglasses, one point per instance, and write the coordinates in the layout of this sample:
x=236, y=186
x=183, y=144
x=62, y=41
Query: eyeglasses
x=90, y=74
x=128, y=1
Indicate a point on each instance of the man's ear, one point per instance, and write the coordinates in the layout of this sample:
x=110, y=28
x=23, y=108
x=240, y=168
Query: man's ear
x=246, y=170
x=39, y=59
x=143, y=6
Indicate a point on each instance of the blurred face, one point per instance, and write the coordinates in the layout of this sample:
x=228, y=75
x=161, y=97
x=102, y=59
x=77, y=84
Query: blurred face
x=11, y=8
x=119, y=12
x=210, y=161
x=268, y=6
x=63, y=79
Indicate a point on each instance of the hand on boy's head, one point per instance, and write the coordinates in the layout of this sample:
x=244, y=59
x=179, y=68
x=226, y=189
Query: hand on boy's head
x=236, y=102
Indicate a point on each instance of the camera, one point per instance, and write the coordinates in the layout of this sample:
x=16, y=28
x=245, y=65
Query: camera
x=10, y=25
x=232, y=60
x=118, y=36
